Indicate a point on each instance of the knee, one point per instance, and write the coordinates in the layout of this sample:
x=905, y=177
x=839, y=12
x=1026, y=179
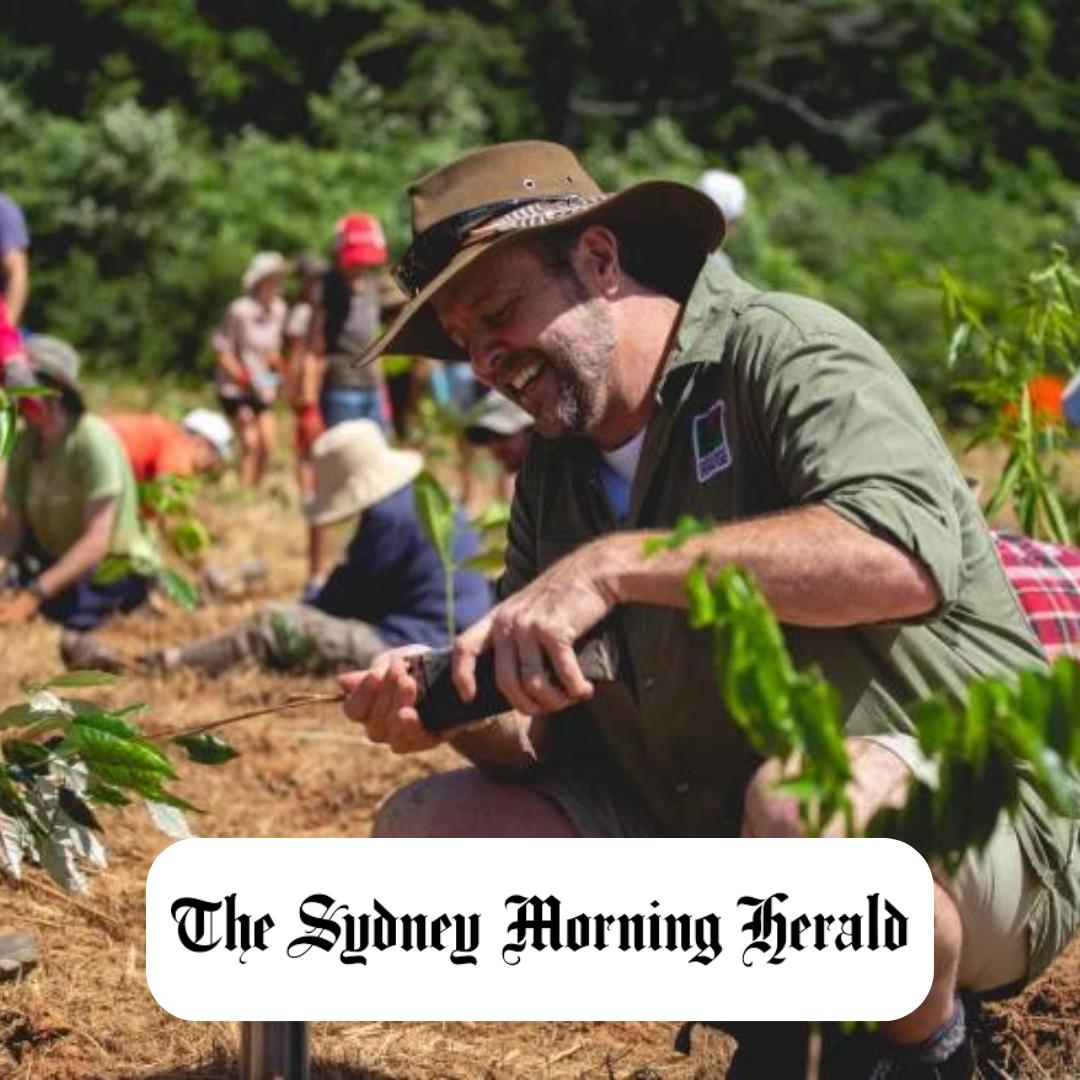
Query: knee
x=766, y=813
x=948, y=933
x=423, y=808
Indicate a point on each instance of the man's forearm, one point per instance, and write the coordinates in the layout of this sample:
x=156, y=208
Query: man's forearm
x=814, y=567
x=504, y=746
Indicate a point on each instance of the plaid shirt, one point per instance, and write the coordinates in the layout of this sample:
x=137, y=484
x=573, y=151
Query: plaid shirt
x=1046, y=580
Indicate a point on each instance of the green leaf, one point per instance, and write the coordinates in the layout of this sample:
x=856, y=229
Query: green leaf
x=103, y=750
x=435, y=509
x=206, y=749
x=699, y=593
x=18, y=715
x=189, y=538
x=112, y=568
x=73, y=679
x=495, y=515
x=109, y=722
x=487, y=562
x=106, y=795
x=24, y=752
x=686, y=527
x=77, y=810
x=7, y=430
x=178, y=588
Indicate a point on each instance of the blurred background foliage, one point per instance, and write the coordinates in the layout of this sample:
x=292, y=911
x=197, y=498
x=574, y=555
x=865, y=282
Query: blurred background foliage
x=155, y=144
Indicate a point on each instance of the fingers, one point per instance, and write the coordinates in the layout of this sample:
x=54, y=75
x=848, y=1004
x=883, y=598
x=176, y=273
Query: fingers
x=524, y=657
x=382, y=699
x=467, y=648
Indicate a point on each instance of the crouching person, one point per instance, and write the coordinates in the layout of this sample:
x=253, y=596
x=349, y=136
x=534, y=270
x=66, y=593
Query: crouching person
x=71, y=503
x=388, y=590
x=662, y=385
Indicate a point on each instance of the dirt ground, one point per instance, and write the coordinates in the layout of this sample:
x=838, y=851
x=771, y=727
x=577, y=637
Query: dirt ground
x=86, y=1011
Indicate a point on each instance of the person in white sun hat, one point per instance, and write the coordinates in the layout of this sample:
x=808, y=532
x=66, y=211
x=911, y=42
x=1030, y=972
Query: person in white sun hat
x=729, y=193
x=247, y=344
x=157, y=446
x=387, y=590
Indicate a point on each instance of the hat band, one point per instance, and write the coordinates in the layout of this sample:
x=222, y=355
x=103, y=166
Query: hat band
x=432, y=250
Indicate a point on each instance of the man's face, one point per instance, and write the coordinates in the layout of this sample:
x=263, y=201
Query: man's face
x=543, y=340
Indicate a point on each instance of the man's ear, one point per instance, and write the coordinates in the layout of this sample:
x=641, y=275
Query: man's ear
x=596, y=259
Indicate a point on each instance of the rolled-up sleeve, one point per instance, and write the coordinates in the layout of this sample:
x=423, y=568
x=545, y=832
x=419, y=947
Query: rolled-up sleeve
x=845, y=429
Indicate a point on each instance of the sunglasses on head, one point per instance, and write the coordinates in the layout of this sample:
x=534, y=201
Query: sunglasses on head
x=432, y=250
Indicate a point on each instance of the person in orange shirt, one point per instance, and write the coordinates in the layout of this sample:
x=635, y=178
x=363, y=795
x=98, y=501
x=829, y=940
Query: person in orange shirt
x=158, y=447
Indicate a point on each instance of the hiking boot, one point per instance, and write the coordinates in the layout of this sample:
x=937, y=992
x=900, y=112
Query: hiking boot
x=18, y=954
x=868, y=1055
x=85, y=653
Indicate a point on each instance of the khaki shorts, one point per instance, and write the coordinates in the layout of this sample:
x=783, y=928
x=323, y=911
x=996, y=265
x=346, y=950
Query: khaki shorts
x=995, y=890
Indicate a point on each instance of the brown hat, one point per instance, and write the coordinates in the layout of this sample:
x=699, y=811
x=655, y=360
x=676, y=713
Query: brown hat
x=498, y=194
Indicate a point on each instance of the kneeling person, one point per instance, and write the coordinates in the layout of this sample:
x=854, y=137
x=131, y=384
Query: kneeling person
x=389, y=589
x=72, y=503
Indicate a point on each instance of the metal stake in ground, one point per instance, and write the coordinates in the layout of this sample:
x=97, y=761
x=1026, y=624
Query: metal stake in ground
x=274, y=1050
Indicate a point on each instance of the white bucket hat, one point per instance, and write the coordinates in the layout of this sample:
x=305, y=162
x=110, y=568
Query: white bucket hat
x=726, y=190
x=354, y=469
x=213, y=427
x=262, y=266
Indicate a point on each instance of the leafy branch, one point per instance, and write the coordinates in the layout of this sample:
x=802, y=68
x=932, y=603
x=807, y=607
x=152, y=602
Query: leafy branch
x=999, y=361
x=436, y=513
x=981, y=748
x=62, y=756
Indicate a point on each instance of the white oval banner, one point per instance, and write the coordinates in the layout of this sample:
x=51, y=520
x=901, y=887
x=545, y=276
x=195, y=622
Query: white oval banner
x=643, y=929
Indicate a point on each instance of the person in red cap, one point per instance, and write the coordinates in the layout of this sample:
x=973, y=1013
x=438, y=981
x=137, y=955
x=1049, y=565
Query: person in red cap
x=347, y=322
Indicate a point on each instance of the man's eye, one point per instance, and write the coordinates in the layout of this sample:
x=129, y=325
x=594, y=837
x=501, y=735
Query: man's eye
x=499, y=315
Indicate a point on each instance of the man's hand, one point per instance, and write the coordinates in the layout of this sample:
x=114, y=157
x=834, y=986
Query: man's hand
x=383, y=699
x=544, y=619
x=21, y=608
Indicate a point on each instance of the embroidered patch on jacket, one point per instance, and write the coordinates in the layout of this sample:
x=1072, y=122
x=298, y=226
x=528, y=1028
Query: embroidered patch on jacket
x=711, y=451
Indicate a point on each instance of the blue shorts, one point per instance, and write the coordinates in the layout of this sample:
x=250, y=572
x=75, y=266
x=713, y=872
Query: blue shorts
x=86, y=604
x=342, y=403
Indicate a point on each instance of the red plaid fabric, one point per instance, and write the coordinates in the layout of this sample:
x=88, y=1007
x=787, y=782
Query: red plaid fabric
x=1046, y=579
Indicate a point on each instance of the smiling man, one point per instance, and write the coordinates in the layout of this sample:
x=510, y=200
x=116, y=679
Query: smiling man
x=663, y=385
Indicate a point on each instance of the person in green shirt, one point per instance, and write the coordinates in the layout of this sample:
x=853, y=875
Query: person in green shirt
x=71, y=502
x=662, y=385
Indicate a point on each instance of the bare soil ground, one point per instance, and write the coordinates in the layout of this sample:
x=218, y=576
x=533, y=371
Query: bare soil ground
x=86, y=1011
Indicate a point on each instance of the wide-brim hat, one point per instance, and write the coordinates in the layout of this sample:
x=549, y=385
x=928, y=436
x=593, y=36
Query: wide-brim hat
x=263, y=265
x=56, y=360
x=499, y=194
x=354, y=469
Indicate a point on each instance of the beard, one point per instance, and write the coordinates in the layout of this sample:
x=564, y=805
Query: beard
x=579, y=363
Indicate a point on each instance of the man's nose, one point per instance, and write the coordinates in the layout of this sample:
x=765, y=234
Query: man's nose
x=486, y=354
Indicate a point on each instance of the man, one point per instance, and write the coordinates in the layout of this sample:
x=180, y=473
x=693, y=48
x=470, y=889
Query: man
x=660, y=388
x=157, y=447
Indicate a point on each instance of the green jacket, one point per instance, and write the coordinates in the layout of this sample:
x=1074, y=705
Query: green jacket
x=768, y=402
